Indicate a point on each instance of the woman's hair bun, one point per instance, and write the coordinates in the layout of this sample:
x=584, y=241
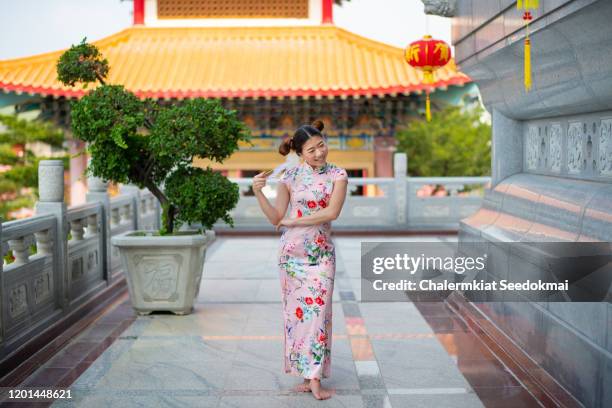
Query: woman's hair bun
x=286, y=146
x=318, y=124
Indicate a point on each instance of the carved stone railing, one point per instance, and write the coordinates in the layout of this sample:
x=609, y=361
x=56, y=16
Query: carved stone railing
x=32, y=295
x=397, y=203
x=61, y=258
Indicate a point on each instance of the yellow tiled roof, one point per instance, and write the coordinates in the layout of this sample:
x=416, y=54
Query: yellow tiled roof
x=237, y=62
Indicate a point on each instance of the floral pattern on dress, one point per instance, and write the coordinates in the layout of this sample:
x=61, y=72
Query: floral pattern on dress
x=307, y=265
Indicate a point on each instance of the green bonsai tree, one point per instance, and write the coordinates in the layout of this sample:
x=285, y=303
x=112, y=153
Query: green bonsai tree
x=141, y=142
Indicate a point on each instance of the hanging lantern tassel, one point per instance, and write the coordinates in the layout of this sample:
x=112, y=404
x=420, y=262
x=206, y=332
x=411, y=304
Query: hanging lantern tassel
x=428, y=79
x=527, y=17
x=527, y=63
x=428, y=107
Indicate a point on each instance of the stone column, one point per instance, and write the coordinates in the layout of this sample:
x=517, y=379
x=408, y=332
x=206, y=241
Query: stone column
x=400, y=166
x=136, y=213
x=51, y=201
x=506, y=148
x=98, y=191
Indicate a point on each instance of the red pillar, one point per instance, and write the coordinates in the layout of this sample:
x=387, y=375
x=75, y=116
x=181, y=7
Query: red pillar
x=328, y=16
x=139, y=12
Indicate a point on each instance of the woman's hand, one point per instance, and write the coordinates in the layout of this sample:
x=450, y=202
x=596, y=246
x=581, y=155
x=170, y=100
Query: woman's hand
x=259, y=181
x=287, y=222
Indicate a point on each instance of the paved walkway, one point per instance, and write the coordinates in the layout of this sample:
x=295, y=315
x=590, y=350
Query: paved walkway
x=228, y=353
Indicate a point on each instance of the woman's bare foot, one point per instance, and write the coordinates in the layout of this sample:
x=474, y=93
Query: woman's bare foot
x=303, y=387
x=319, y=392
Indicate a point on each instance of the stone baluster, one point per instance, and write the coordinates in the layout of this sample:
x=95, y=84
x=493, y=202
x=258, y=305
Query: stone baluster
x=20, y=250
x=400, y=166
x=125, y=212
x=51, y=201
x=44, y=242
x=76, y=230
x=115, y=216
x=137, y=207
x=92, y=225
x=98, y=191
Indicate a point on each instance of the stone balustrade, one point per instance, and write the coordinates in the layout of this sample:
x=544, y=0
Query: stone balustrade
x=63, y=257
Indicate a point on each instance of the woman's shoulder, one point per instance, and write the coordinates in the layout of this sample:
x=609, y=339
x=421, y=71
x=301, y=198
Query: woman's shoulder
x=292, y=170
x=290, y=173
x=337, y=172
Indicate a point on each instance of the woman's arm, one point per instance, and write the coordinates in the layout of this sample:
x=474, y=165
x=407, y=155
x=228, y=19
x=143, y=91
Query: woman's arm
x=329, y=213
x=273, y=213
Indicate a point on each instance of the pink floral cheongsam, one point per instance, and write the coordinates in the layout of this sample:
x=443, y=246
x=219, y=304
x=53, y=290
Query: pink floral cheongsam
x=307, y=263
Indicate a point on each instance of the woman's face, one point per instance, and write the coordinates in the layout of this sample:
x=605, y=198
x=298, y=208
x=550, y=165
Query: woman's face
x=314, y=151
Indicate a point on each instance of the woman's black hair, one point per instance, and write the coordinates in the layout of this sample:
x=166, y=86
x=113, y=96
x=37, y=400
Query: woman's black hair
x=300, y=137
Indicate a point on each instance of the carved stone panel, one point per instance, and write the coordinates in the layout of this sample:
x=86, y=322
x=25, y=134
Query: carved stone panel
x=532, y=148
x=76, y=268
x=555, y=144
x=605, y=148
x=578, y=146
x=575, y=148
x=17, y=302
x=160, y=274
x=42, y=287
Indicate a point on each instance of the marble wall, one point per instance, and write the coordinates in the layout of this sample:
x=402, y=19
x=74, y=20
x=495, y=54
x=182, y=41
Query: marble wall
x=551, y=152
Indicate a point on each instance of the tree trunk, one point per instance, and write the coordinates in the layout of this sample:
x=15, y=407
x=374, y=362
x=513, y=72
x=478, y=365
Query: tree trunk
x=167, y=208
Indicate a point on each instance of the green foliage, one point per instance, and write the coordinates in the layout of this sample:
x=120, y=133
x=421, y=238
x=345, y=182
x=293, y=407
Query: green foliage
x=198, y=127
x=7, y=156
x=26, y=176
x=454, y=143
x=109, y=118
x=18, y=184
x=141, y=142
x=22, y=131
x=202, y=195
x=82, y=63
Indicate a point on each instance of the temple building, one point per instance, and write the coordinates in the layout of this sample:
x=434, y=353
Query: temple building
x=279, y=63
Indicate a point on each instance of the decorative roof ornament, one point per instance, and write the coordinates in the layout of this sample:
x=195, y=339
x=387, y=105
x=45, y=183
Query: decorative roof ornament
x=443, y=8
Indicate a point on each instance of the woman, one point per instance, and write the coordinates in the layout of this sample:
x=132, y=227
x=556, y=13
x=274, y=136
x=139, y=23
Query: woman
x=306, y=256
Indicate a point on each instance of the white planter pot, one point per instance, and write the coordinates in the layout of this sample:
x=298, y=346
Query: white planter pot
x=163, y=272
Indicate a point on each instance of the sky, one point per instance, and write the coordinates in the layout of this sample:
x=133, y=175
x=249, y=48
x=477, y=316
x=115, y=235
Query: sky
x=29, y=27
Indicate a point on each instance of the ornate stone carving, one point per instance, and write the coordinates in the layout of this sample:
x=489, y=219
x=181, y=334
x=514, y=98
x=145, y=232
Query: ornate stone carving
x=444, y=8
x=580, y=146
x=92, y=260
x=532, y=148
x=42, y=288
x=575, y=148
x=76, y=268
x=555, y=144
x=161, y=276
x=18, y=302
x=605, y=148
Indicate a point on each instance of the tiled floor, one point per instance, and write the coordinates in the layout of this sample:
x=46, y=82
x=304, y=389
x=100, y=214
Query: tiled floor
x=228, y=353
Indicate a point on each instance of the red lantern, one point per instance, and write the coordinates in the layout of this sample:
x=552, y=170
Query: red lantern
x=428, y=55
